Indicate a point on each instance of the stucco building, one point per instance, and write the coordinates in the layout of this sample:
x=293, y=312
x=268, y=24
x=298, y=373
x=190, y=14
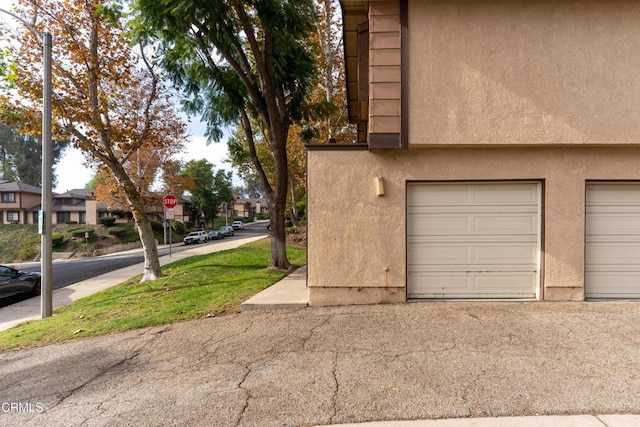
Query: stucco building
x=497, y=157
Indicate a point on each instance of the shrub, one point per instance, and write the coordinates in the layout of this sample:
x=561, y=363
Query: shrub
x=79, y=232
x=27, y=253
x=188, y=225
x=179, y=227
x=156, y=226
x=57, y=239
x=116, y=231
x=71, y=222
x=262, y=215
x=107, y=221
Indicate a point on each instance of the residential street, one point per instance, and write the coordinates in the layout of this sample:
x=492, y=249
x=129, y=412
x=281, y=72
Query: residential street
x=337, y=365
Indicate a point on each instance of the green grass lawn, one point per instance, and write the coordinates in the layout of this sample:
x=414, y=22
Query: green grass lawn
x=192, y=288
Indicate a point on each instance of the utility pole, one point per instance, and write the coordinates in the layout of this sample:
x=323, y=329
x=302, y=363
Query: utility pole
x=46, y=247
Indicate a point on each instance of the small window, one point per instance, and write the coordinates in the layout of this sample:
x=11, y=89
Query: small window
x=13, y=216
x=8, y=197
x=63, y=217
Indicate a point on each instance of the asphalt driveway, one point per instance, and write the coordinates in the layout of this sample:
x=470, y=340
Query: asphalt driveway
x=337, y=365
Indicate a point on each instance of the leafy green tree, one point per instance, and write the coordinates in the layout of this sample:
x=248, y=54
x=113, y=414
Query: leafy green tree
x=209, y=189
x=21, y=156
x=241, y=60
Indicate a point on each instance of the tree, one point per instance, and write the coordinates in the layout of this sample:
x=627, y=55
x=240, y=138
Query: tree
x=238, y=61
x=328, y=90
x=20, y=156
x=209, y=189
x=110, y=102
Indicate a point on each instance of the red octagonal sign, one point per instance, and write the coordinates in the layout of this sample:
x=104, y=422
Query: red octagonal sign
x=170, y=201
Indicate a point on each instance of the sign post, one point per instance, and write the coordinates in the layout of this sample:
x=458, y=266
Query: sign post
x=169, y=201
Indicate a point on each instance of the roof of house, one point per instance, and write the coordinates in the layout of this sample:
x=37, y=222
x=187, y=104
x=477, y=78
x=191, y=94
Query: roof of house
x=77, y=193
x=19, y=187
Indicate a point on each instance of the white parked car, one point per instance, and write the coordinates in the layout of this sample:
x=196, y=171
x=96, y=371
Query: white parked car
x=196, y=237
x=238, y=225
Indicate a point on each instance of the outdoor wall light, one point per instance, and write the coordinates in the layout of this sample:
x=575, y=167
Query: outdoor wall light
x=379, y=186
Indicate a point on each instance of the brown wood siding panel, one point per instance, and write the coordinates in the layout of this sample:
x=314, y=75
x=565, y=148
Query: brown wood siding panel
x=385, y=74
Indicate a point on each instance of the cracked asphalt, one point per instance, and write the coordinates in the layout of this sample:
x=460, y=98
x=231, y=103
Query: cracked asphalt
x=332, y=365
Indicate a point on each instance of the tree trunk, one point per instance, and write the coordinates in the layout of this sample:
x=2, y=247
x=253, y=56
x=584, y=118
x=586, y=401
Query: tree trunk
x=294, y=209
x=278, y=201
x=150, y=248
x=278, y=235
x=136, y=204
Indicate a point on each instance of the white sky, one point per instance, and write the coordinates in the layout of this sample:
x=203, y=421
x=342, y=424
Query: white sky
x=71, y=172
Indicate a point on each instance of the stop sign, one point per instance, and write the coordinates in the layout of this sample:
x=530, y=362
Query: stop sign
x=170, y=201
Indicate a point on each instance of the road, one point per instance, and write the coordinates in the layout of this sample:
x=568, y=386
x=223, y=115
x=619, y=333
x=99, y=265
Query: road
x=67, y=272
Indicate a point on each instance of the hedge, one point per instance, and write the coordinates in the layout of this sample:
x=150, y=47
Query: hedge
x=116, y=231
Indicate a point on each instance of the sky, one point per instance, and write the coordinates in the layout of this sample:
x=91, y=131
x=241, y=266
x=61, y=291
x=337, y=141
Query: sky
x=71, y=172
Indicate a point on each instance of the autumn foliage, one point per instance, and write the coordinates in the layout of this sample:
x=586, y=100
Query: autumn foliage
x=108, y=98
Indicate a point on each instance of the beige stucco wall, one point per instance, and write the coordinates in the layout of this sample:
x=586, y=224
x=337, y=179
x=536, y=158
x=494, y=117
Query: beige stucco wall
x=510, y=72
x=357, y=240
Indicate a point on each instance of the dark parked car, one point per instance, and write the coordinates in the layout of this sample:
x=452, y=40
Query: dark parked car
x=14, y=282
x=215, y=235
x=227, y=230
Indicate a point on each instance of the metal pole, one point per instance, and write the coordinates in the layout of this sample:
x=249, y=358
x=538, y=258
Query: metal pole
x=46, y=246
x=47, y=194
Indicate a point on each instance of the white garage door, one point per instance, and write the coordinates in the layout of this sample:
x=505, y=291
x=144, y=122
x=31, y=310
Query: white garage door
x=612, y=245
x=473, y=240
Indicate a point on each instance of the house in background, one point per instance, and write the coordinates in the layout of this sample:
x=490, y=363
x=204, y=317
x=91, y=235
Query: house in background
x=17, y=201
x=497, y=155
x=249, y=207
x=77, y=206
x=20, y=202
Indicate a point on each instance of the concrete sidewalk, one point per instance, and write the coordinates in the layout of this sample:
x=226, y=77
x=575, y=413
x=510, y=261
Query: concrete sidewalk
x=29, y=309
x=290, y=292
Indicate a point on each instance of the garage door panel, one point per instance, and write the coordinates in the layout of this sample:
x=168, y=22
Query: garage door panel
x=472, y=224
x=478, y=257
x=475, y=285
x=473, y=240
x=606, y=223
x=506, y=224
x=506, y=194
x=626, y=284
x=612, y=254
x=612, y=241
x=442, y=225
x=613, y=194
x=506, y=254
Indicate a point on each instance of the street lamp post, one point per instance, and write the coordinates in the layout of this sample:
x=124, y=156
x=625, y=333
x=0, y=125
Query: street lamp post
x=46, y=305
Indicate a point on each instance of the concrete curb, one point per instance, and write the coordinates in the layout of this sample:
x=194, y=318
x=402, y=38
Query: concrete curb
x=616, y=420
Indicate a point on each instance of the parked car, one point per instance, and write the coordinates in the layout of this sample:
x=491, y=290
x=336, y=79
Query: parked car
x=238, y=225
x=215, y=235
x=227, y=231
x=196, y=237
x=14, y=282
